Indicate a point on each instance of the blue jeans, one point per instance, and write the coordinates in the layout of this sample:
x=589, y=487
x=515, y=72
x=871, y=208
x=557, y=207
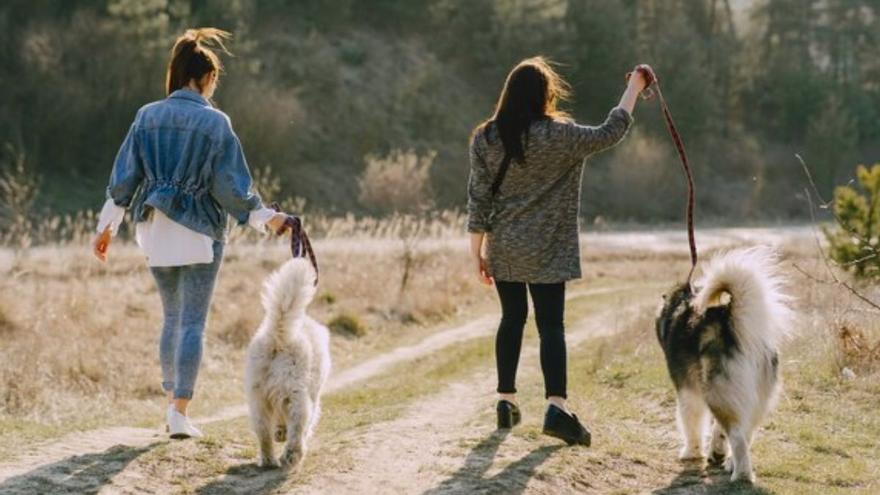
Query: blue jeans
x=186, y=297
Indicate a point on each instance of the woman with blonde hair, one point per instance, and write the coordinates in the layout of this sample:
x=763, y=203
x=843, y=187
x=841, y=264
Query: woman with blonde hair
x=523, y=206
x=182, y=171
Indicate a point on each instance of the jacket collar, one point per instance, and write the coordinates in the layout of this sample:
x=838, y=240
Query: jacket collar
x=188, y=94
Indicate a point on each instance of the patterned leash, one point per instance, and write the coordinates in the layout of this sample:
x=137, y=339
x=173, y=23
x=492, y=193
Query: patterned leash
x=652, y=86
x=300, y=245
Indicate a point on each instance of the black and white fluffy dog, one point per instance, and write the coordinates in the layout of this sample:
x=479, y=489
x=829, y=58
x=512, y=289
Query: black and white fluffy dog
x=720, y=342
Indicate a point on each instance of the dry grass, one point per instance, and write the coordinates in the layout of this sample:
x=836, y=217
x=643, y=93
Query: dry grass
x=81, y=338
x=80, y=345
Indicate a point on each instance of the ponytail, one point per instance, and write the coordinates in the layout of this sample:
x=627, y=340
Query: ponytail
x=192, y=57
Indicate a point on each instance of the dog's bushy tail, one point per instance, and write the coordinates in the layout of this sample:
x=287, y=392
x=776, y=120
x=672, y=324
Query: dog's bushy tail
x=759, y=306
x=287, y=293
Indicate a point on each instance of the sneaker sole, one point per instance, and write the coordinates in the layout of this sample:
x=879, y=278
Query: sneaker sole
x=180, y=436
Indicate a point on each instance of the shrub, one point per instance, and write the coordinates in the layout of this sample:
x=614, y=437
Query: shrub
x=855, y=240
x=347, y=324
x=7, y=326
x=856, y=351
x=397, y=183
x=327, y=297
x=19, y=188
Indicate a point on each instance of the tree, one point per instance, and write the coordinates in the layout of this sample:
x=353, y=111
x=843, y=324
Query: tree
x=831, y=142
x=855, y=242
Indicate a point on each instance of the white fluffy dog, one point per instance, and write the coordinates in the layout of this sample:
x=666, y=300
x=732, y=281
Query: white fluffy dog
x=721, y=346
x=288, y=361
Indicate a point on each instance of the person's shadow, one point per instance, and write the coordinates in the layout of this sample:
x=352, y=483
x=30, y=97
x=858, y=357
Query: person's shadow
x=710, y=480
x=245, y=478
x=86, y=473
x=470, y=478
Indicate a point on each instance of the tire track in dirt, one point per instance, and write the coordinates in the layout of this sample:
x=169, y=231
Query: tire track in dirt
x=54, y=460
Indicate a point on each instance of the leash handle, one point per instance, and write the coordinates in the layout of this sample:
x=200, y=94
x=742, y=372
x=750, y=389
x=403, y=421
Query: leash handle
x=650, y=80
x=300, y=245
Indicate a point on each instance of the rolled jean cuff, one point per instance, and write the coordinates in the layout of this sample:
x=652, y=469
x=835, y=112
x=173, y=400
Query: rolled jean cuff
x=168, y=386
x=181, y=393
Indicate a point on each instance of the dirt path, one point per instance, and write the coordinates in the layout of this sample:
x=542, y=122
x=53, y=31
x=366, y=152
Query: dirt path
x=426, y=450
x=52, y=462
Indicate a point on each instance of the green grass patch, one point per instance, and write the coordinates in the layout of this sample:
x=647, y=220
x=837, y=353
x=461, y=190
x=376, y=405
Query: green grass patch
x=347, y=324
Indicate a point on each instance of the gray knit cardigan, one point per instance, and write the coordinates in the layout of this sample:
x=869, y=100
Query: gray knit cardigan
x=532, y=223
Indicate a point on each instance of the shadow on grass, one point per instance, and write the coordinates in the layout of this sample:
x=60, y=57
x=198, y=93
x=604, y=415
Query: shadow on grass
x=86, y=473
x=694, y=478
x=513, y=479
x=245, y=478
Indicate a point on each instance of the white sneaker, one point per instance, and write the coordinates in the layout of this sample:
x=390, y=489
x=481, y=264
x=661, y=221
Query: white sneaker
x=179, y=425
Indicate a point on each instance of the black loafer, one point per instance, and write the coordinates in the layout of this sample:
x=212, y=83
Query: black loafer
x=561, y=425
x=508, y=414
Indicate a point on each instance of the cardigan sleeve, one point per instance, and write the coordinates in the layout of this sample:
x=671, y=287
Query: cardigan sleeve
x=479, y=193
x=586, y=140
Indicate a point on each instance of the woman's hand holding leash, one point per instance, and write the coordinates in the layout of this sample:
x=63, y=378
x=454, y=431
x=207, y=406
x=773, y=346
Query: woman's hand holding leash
x=100, y=244
x=638, y=81
x=642, y=77
x=276, y=223
x=300, y=245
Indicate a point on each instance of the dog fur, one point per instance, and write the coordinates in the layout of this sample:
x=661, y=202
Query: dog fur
x=288, y=361
x=721, y=346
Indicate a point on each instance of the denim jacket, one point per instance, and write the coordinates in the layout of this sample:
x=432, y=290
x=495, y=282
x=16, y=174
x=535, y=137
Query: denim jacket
x=182, y=157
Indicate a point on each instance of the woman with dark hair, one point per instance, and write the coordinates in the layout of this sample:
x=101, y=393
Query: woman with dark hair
x=182, y=171
x=523, y=207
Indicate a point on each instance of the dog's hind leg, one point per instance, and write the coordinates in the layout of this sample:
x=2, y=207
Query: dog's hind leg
x=740, y=441
x=718, y=450
x=692, y=414
x=299, y=417
x=263, y=429
x=281, y=423
x=316, y=415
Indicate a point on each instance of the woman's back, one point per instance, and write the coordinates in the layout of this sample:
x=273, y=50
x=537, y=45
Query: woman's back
x=533, y=219
x=178, y=136
x=182, y=157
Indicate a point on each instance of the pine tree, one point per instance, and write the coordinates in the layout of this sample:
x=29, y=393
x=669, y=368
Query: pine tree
x=855, y=242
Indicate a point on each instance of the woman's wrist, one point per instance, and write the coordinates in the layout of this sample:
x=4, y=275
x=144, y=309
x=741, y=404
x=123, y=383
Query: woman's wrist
x=637, y=83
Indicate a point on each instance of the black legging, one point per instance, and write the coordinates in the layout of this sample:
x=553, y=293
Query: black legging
x=549, y=301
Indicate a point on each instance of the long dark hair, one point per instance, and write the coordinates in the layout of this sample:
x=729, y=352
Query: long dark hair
x=192, y=57
x=531, y=92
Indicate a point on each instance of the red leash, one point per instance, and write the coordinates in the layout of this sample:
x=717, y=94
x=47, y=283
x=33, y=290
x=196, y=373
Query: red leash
x=647, y=94
x=300, y=245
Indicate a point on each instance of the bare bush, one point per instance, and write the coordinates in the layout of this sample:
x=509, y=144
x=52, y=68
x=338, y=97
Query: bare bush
x=856, y=350
x=397, y=183
x=19, y=188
